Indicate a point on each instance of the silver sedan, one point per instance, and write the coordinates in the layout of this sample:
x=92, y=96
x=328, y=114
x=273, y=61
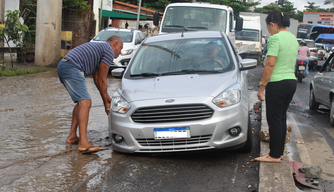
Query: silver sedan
x=182, y=92
x=322, y=88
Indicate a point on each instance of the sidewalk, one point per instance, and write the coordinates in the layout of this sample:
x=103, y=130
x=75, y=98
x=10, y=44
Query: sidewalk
x=274, y=176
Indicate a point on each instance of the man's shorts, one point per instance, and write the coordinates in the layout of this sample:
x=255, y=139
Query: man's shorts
x=74, y=81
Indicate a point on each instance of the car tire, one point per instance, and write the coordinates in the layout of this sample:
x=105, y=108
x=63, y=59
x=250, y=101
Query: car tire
x=312, y=103
x=249, y=143
x=331, y=113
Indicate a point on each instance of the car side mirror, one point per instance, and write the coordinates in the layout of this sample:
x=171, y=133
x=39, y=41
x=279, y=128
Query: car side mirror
x=117, y=73
x=248, y=64
x=156, y=18
x=90, y=38
x=239, y=23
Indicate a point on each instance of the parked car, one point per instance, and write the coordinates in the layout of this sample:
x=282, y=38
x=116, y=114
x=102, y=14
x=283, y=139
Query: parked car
x=131, y=40
x=322, y=53
x=174, y=97
x=313, y=58
x=322, y=88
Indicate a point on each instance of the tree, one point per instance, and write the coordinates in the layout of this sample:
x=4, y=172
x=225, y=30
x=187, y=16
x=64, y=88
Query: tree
x=329, y=2
x=287, y=8
x=13, y=30
x=79, y=5
x=311, y=8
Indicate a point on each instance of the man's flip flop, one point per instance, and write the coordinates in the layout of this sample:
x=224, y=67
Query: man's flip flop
x=87, y=151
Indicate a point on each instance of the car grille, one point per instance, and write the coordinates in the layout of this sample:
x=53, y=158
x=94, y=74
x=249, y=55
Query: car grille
x=172, y=113
x=177, y=144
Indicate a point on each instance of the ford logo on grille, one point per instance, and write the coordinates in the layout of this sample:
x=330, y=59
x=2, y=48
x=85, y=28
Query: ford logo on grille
x=169, y=100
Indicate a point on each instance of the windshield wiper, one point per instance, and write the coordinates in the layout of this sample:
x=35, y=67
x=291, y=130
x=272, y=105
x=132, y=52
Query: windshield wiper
x=177, y=26
x=199, y=27
x=190, y=71
x=145, y=75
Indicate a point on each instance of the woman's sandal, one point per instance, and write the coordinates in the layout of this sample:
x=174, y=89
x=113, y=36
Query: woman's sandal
x=266, y=154
x=269, y=160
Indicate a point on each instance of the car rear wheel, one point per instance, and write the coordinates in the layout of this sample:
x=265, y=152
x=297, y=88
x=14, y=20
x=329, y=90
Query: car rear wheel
x=312, y=103
x=248, y=145
x=331, y=114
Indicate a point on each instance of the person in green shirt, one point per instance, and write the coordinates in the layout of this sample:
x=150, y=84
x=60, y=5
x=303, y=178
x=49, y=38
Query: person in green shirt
x=278, y=82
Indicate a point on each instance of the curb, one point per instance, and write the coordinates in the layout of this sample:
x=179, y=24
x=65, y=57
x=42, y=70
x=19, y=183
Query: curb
x=274, y=176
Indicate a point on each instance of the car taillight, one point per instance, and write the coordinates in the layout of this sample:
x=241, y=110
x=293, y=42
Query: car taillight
x=302, y=62
x=315, y=51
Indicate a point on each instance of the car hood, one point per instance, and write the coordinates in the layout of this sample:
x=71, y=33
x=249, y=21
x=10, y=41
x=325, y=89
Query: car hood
x=127, y=46
x=192, y=85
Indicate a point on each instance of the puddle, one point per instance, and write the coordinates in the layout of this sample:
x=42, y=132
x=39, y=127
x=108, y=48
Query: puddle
x=35, y=118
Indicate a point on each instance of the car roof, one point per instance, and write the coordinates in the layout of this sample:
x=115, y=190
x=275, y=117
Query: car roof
x=200, y=4
x=186, y=35
x=305, y=39
x=326, y=35
x=117, y=29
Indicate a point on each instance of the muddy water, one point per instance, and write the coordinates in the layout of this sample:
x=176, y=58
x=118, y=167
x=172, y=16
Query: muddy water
x=35, y=117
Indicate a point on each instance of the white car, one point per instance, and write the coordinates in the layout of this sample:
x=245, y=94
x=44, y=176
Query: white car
x=174, y=98
x=131, y=40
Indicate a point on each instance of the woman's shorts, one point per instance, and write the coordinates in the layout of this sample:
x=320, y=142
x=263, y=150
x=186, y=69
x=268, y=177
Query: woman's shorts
x=74, y=81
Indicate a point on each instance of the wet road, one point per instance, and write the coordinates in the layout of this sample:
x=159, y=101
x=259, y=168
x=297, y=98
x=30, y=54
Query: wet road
x=35, y=117
x=312, y=137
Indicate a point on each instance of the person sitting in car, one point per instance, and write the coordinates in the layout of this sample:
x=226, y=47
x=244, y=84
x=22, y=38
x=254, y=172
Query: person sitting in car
x=211, y=57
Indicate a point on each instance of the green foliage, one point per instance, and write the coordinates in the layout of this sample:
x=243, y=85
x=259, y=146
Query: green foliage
x=13, y=29
x=286, y=8
x=6, y=71
x=237, y=6
x=79, y=5
x=329, y=2
x=311, y=8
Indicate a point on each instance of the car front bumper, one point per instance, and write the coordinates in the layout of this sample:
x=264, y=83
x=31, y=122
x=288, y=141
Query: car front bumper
x=210, y=133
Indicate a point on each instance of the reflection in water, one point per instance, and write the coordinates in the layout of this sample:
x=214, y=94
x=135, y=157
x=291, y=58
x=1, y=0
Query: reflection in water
x=35, y=119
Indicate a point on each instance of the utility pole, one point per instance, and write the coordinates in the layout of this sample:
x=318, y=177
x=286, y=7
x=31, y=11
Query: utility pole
x=138, y=15
x=2, y=21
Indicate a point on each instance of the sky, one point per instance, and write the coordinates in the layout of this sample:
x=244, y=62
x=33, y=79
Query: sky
x=299, y=4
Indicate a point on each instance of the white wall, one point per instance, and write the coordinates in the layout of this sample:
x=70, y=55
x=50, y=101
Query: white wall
x=107, y=5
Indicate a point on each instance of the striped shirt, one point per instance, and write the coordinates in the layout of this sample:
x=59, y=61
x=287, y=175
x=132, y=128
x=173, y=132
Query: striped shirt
x=87, y=57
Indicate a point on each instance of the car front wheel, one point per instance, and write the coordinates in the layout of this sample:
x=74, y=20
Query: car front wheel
x=312, y=103
x=248, y=145
x=331, y=114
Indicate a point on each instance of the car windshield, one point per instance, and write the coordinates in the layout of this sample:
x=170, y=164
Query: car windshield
x=194, y=19
x=183, y=56
x=124, y=35
x=247, y=35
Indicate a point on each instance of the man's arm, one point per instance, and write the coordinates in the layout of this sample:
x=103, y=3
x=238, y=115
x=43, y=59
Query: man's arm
x=100, y=79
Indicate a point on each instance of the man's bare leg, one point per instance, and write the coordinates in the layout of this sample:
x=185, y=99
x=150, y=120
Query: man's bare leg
x=72, y=137
x=83, y=115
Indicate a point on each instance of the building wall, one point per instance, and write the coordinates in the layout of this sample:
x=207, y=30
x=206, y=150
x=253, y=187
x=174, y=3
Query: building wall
x=107, y=5
x=324, y=18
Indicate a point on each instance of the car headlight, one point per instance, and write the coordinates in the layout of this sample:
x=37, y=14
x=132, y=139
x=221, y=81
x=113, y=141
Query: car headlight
x=119, y=104
x=228, y=97
x=127, y=52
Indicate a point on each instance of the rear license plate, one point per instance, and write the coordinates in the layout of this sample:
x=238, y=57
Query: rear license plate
x=172, y=133
x=301, y=67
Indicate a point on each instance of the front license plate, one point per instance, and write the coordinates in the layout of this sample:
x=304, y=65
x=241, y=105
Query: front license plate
x=172, y=133
x=301, y=67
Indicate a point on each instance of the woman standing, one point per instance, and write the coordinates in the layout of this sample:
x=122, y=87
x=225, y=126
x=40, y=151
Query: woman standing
x=278, y=82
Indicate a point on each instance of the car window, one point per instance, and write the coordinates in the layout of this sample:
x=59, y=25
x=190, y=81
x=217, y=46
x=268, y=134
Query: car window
x=142, y=36
x=124, y=35
x=310, y=43
x=138, y=38
x=187, y=55
x=330, y=66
